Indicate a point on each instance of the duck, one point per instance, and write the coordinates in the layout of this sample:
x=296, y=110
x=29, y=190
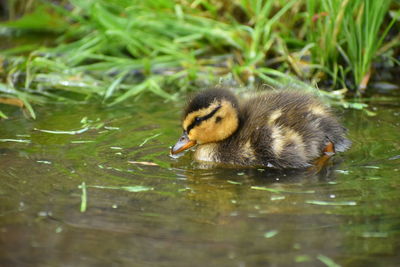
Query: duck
x=281, y=129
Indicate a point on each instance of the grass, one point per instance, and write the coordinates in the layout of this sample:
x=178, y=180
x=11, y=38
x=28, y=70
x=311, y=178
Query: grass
x=346, y=36
x=114, y=50
x=363, y=37
x=325, y=26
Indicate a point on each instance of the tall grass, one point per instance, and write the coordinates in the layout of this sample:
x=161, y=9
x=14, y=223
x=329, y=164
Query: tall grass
x=132, y=46
x=346, y=35
x=325, y=19
x=363, y=37
x=113, y=50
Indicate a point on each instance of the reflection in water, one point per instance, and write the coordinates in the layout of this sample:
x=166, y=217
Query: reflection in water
x=223, y=216
x=222, y=189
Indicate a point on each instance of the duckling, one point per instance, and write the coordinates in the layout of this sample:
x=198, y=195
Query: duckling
x=280, y=129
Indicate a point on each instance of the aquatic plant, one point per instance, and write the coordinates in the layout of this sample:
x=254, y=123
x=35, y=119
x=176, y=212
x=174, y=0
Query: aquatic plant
x=345, y=36
x=114, y=50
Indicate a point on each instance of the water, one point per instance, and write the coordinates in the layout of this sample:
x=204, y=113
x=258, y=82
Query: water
x=184, y=214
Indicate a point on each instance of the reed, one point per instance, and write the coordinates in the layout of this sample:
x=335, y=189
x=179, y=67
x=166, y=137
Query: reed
x=363, y=37
x=346, y=36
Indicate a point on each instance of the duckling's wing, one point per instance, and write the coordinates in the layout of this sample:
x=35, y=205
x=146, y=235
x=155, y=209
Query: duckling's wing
x=290, y=129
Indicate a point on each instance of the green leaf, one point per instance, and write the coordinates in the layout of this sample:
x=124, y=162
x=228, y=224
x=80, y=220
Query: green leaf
x=43, y=18
x=327, y=261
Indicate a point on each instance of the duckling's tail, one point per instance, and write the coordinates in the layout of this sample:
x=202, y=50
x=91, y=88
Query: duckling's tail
x=338, y=138
x=342, y=144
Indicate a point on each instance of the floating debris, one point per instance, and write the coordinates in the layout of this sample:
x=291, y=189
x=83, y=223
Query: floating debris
x=371, y=167
x=394, y=157
x=63, y=132
x=275, y=190
x=331, y=203
x=23, y=135
x=233, y=182
x=84, y=120
x=373, y=178
x=148, y=139
x=43, y=161
x=82, y=141
x=111, y=128
x=374, y=235
x=135, y=188
x=184, y=189
x=44, y=213
x=273, y=198
x=327, y=261
x=16, y=140
x=83, y=197
x=271, y=233
x=147, y=163
x=302, y=258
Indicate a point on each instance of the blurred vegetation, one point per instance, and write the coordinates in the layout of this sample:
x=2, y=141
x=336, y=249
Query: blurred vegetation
x=113, y=50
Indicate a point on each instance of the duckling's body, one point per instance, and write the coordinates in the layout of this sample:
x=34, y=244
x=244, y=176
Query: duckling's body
x=281, y=129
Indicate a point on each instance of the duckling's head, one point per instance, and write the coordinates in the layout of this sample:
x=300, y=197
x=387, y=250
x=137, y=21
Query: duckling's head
x=211, y=116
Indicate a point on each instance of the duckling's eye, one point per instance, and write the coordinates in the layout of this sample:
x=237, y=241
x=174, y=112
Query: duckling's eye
x=218, y=119
x=197, y=119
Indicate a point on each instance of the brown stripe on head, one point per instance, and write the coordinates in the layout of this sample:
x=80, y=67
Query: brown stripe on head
x=190, y=118
x=205, y=98
x=211, y=124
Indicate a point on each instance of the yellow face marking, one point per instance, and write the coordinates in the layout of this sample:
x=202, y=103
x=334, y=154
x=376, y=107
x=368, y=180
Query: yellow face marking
x=209, y=131
x=274, y=116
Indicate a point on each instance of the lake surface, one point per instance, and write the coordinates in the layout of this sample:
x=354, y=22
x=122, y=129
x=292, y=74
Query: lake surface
x=144, y=208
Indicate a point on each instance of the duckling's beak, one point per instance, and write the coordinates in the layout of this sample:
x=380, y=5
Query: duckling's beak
x=182, y=144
